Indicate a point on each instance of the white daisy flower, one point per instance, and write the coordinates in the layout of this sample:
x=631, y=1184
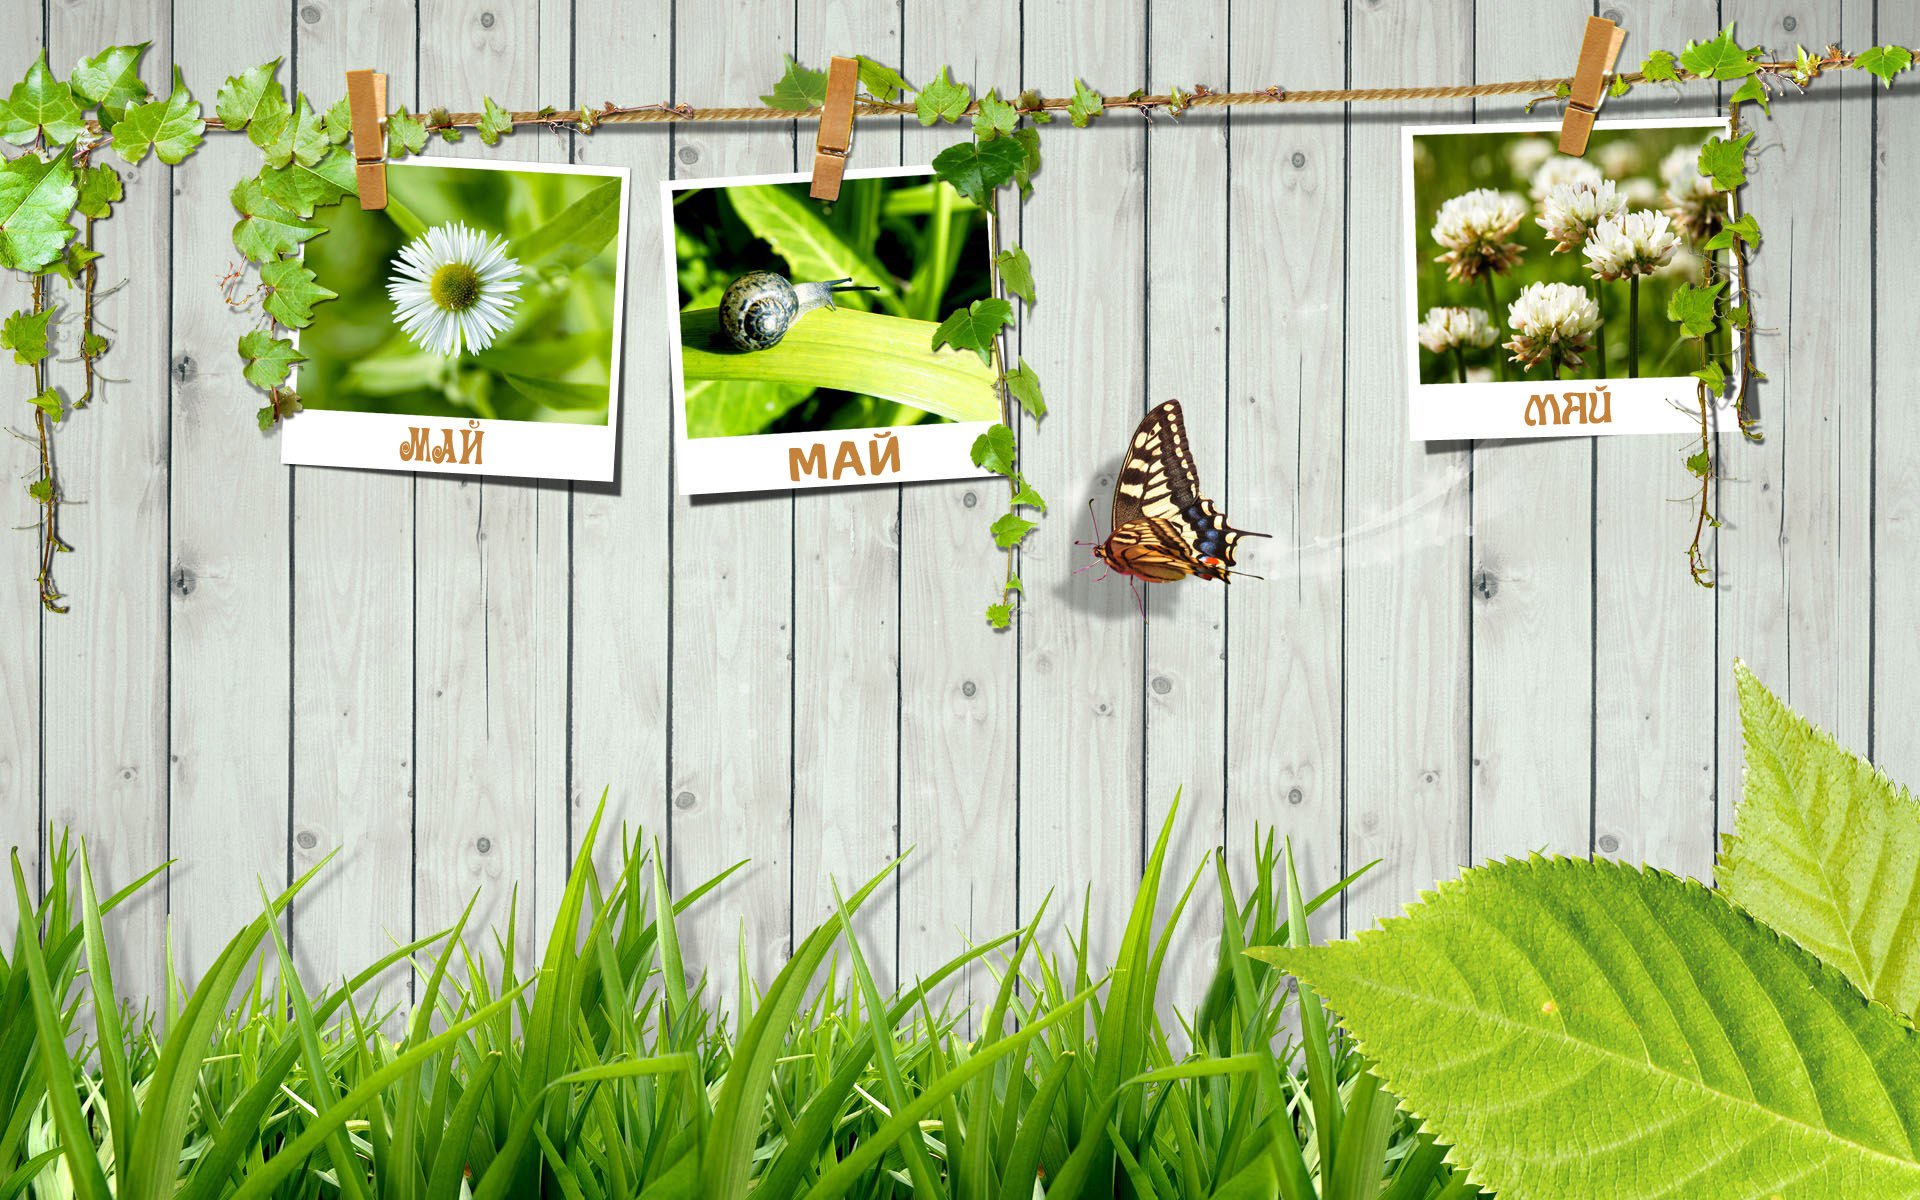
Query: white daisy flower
x=1638, y=243
x=1562, y=168
x=453, y=289
x=1474, y=227
x=1572, y=211
x=1552, y=321
x=1697, y=210
x=1446, y=328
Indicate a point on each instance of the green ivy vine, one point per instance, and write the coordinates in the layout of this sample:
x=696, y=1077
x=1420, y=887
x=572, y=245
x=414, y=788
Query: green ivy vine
x=57, y=186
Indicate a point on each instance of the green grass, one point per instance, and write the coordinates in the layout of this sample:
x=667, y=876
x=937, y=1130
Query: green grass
x=605, y=1075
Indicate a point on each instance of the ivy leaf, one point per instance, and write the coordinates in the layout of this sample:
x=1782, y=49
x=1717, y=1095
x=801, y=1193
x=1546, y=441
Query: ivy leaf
x=266, y=230
x=1085, y=105
x=1725, y=162
x=1024, y=496
x=882, y=82
x=48, y=402
x=1000, y=616
x=1698, y=464
x=40, y=104
x=1884, y=61
x=1721, y=58
x=1016, y=272
x=976, y=170
x=1753, y=91
x=1692, y=308
x=494, y=122
x=1713, y=377
x=798, y=90
x=25, y=333
x=281, y=404
x=975, y=327
x=1817, y=832
x=995, y=118
x=339, y=121
x=171, y=126
x=1025, y=386
x=92, y=345
x=1593, y=994
x=405, y=134
x=41, y=490
x=110, y=81
x=1010, y=530
x=440, y=121
x=1028, y=139
x=942, y=100
x=994, y=449
x=1746, y=229
x=99, y=189
x=1738, y=316
x=1659, y=67
x=289, y=135
x=300, y=189
x=268, y=358
x=1619, y=87
x=36, y=196
x=249, y=96
x=292, y=291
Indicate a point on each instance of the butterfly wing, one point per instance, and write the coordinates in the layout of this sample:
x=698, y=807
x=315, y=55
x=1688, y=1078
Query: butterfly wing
x=1160, y=485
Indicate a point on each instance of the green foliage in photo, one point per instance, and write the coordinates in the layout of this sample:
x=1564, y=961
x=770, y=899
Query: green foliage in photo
x=1655, y=185
x=552, y=362
x=913, y=239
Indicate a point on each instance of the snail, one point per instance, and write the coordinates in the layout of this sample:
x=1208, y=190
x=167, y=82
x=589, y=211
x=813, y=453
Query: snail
x=760, y=306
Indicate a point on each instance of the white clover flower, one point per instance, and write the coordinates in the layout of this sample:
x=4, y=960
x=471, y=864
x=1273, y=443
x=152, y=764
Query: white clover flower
x=1474, y=227
x=1562, y=168
x=1640, y=192
x=1572, y=211
x=1638, y=243
x=1552, y=322
x=1619, y=156
x=1525, y=155
x=1446, y=328
x=1697, y=210
x=453, y=289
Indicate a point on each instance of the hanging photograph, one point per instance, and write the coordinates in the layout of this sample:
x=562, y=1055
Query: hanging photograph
x=477, y=329
x=803, y=349
x=1538, y=283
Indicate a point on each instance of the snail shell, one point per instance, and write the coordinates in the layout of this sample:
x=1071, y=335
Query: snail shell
x=758, y=308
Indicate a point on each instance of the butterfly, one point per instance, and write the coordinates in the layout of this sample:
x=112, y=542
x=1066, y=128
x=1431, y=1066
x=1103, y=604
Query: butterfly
x=1163, y=528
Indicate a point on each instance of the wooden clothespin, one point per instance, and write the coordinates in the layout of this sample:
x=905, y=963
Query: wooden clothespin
x=836, y=129
x=1598, y=50
x=367, y=105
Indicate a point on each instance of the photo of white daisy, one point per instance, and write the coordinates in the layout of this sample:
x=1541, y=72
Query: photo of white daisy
x=478, y=324
x=453, y=289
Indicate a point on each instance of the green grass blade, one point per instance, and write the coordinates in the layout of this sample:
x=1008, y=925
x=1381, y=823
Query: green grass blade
x=1323, y=1082
x=116, y=1085
x=446, y=1176
x=1023, y=1163
x=16, y=1183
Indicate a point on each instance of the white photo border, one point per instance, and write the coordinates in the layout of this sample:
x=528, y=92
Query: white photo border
x=322, y=437
x=1456, y=411
x=759, y=462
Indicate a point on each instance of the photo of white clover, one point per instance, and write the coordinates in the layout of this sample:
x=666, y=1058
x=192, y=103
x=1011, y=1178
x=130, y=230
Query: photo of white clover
x=1532, y=264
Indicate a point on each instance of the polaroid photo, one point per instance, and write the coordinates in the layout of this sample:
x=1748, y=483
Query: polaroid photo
x=803, y=346
x=1537, y=283
x=477, y=326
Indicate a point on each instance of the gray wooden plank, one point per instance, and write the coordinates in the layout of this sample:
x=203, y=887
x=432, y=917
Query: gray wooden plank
x=20, y=827
x=490, y=568
x=1532, y=510
x=959, y=687
x=1285, y=455
x=1894, y=737
x=1405, y=541
x=621, y=581
x=1796, y=552
x=846, y=610
x=104, y=666
x=732, y=637
x=1187, y=733
x=1081, y=638
x=353, y=555
x=1654, y=657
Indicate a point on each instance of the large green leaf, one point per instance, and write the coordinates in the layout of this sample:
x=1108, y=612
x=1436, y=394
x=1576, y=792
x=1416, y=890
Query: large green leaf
x=575, y=234
x=1594, y=1030
x=36, y=197
x=868, y=353
x=813, y=251
x=1826, y=850
x=172, y=127
x=40, y=105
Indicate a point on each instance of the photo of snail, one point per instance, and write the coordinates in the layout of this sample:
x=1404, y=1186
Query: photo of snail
x=804, y=338
x=1539, y=282
x=472, y=325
